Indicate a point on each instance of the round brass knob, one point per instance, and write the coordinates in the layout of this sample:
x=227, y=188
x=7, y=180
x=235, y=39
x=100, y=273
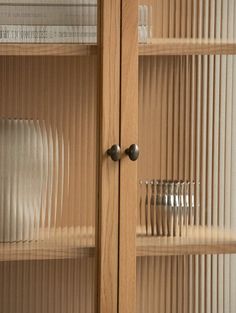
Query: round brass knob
x=114, y=152
x=133, y=152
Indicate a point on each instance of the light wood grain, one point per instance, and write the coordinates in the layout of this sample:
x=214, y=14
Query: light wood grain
x=47, y=49
x=128, y=169
x=108, y=183
x=59, y=244
x=200, y=240
x=187, y=47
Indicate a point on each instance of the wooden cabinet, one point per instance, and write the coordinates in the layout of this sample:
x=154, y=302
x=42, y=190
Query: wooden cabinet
x=81, y=233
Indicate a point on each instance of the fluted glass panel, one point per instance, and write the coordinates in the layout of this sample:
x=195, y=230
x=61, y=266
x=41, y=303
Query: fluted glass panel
x=48, y=183
x=186, y=222
x=48, y=21
x=192, y=19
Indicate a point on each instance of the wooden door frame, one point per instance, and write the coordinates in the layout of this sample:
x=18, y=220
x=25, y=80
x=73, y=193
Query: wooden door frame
x=108, y=181
x=128, y=169
x=118, y=182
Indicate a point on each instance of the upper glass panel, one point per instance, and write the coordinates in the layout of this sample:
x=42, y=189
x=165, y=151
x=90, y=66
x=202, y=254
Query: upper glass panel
x=196, y=19
x=48, y=21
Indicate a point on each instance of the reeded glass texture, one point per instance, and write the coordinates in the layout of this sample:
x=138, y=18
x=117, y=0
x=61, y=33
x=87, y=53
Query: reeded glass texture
x=186, y=221
x=48, y=21
x=48, y=149
x=48, y=160
x=192, y=19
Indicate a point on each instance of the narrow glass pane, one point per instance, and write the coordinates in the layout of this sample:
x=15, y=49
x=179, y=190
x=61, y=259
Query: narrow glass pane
x=48, y=157
x=186, y=226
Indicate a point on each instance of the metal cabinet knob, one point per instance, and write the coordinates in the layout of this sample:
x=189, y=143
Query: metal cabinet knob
x=133, y=152
x=114, y=152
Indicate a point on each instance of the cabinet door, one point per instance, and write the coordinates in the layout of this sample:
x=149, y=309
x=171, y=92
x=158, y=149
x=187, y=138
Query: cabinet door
x=59, y=86
x=178, y=200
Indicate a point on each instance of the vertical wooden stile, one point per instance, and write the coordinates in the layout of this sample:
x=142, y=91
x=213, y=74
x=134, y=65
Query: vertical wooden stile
x=233, y=198
x=227, y=133
x=128, y=169
x=109, y=170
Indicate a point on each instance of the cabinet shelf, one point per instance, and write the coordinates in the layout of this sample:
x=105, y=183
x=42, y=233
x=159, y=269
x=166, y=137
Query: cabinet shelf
x=59, y=244
x=199, y=241
x=187, y=47
x=25, y=49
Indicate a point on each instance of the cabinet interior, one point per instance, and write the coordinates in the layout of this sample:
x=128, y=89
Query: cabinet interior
x=186, y=132
x=55, y=272
x=60, y=92
x=186, y=129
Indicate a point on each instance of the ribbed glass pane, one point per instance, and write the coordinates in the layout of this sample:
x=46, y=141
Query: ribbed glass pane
x=48, y=160
x=193, y=19
x=186, y=226
x=48, y=21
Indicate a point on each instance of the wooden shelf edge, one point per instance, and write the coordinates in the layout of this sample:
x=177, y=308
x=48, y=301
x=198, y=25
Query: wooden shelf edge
x=203, y=242
x=185, y=250
x=183, y=47
x=51, y=254
x=47, y=49
x=53, y=245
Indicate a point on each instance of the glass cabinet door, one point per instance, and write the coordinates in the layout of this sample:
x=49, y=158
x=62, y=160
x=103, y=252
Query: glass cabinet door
x=50, y=157
x=186, y=217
